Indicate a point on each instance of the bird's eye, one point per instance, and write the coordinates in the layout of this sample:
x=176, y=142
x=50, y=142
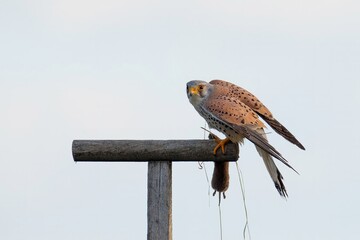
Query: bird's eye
x=201, y=87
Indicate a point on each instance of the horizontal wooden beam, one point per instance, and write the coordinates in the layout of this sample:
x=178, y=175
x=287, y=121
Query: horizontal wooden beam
x=151, y=150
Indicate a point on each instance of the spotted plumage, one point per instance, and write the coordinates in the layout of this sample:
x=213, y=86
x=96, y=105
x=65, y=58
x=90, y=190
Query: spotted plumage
x=235, y=112
x=234, y=91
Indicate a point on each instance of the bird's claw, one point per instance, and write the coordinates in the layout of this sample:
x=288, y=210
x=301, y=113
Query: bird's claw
x=220, y=144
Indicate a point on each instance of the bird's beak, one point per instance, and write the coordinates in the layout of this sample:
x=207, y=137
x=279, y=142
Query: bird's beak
x=193, y=91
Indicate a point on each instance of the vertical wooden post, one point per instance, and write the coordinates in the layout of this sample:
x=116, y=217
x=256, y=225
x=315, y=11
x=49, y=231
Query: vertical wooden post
x=159, y=212
x=159, y=154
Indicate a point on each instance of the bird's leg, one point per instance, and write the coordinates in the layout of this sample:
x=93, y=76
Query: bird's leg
x=221, y=143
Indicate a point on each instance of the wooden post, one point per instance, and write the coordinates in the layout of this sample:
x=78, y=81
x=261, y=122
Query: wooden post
x=159, y=154
x=159, y=203
x=151, y=150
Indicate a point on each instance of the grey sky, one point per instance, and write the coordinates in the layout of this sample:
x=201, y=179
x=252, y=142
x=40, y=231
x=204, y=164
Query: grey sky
x=117, y=70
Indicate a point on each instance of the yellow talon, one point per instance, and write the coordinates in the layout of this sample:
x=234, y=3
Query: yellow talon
x=221, y=143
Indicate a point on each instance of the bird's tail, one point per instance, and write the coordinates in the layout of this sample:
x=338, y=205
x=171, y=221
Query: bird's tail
x=271, y=167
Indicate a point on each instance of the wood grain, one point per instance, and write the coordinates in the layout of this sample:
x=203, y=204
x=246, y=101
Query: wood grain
x=151, y=150
x=159, y=203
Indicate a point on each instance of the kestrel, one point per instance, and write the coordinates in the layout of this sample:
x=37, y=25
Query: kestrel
x=235, y=112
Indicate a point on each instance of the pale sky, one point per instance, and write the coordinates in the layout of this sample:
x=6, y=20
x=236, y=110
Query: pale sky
x=117, y=70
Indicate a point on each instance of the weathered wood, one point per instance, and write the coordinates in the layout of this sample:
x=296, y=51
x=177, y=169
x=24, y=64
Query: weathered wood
x=159, y=212
x=159, y=154
x=151, y=150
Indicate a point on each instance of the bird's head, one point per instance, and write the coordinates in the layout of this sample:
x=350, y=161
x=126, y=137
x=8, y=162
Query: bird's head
x=198, y=90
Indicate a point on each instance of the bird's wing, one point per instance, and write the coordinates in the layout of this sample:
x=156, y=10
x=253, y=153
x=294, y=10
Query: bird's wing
x=234, y=91
x=233, y=114
x=233, y=110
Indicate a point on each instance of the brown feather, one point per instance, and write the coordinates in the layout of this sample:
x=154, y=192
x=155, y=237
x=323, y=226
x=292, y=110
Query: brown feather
x=236, y=120
x=280, y=129
x=234, y=91
x=233, y=111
